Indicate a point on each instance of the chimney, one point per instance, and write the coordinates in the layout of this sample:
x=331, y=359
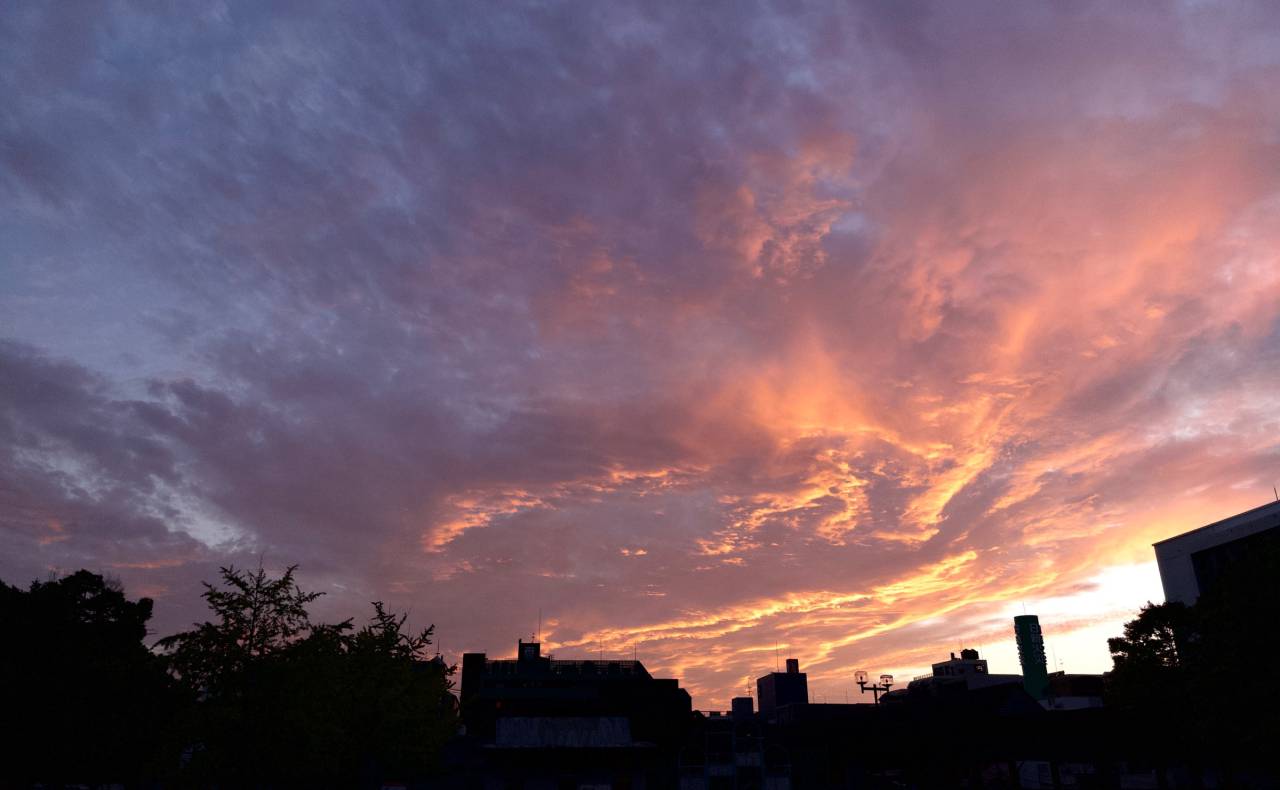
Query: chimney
x=793, y=666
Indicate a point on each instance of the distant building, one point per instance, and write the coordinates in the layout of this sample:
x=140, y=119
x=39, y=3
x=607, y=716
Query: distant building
x=777, y=689
x=733, y=751
x=1073, y=692
x=967, y=664
x=1035, y=668
x=969, y=669
x=537, y=719
x=1194, y=562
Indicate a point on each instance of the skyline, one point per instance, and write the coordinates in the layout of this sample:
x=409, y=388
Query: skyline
x=849, y=330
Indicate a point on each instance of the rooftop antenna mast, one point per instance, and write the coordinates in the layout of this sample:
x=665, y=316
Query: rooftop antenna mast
x=1277, y=493
x=539, y=624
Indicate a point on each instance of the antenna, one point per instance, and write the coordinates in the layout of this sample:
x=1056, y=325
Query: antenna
x=539, y=624
x=1277, y=493
x=777, y=665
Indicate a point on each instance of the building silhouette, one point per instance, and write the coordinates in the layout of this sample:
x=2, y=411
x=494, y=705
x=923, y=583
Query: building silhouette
x=967, y=664
x=1035, y=669
x=557, y=723
x=959, y=727
x=778, y=689
x=1196, y=562
x=1074, y=691
x=969, y=669
x=734, y=752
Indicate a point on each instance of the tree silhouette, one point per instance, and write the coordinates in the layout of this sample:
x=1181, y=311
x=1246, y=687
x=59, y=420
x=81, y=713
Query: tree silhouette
x=1149, y=643
x=1194, y=680
x=285, y=701
x=256, y=616
x=83, y=699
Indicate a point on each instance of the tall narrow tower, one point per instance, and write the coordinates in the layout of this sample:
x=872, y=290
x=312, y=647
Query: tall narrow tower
x=1035, y=671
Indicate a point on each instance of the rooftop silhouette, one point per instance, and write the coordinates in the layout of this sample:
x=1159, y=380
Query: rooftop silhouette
x=261, y=693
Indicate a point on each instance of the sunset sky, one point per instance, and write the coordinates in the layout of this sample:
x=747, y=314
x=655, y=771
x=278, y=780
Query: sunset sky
x=711, y=331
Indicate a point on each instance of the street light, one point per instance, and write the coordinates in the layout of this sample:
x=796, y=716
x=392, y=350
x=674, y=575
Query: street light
x=886, y=681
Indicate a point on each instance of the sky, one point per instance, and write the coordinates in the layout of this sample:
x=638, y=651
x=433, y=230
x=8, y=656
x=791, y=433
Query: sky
x=709, y=333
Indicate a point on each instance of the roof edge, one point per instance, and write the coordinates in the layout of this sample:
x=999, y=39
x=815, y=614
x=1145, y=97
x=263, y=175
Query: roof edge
x=1220, y=522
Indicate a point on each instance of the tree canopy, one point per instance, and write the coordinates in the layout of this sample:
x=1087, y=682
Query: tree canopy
x=258, y=695
x=285, y=700
x=1196, y=677
x=82, y=696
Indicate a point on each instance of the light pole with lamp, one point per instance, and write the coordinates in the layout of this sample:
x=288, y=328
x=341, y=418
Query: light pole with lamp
x=885, y=682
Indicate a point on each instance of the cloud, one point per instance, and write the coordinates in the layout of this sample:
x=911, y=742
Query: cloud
x=699, y=330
